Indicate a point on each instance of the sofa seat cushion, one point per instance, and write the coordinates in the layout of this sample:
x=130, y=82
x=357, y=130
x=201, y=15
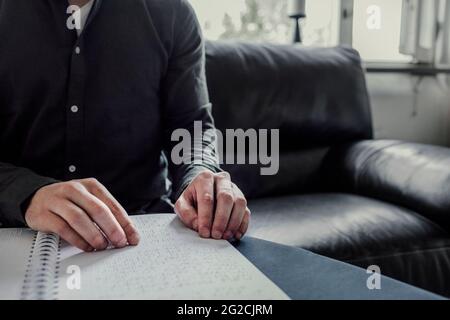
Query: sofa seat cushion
x=359, y=230
x=343, y=226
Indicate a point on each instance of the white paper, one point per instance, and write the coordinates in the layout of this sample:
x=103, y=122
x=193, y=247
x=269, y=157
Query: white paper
x=171, y=262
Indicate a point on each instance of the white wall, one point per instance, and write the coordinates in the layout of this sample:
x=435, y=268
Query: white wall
x=400, y=113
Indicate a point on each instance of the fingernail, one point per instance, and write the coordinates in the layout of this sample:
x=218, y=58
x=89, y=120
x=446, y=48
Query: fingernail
x=134, y=239
x=122, y=243
x=227, y=235
x=195, y=225
x=217, y=234
x=89, y=249
x=205, y=233
x=103, y=246
x=238, y=236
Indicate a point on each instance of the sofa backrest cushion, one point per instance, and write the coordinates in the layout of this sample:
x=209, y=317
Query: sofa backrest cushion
x=316, y=97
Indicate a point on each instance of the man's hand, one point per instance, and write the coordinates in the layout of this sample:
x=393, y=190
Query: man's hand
x=83, y=213
x=214, y=206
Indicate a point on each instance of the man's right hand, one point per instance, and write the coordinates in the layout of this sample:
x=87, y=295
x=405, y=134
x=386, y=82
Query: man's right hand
x=82, y=212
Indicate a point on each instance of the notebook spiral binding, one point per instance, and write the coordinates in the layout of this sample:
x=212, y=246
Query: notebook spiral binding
x=41, y=276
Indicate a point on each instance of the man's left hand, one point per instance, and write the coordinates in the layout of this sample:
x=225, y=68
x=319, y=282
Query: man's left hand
x=214, y=206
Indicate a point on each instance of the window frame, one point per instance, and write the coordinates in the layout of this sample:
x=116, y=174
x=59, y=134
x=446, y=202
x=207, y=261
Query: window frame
x=412, y=67
x=346, y=22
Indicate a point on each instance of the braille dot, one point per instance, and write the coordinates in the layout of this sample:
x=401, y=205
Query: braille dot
x=74, y=109
x=77, y=50
x=72, y=169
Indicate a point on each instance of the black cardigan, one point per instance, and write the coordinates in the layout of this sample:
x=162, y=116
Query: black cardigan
x=103, y=105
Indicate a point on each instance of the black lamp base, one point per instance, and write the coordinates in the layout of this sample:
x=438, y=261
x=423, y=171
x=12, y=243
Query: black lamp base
x=297, y=28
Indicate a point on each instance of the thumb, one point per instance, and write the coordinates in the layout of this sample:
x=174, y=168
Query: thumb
x=185, y=210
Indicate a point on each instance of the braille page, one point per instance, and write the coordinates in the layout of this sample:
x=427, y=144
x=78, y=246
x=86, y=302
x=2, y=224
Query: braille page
x=171, y=262
x=15, y=249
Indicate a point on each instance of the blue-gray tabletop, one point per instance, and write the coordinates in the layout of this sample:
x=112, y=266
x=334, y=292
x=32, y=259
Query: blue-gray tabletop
x=303, y=275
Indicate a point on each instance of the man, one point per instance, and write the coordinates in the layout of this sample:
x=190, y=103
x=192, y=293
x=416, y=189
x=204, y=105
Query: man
x=102, y=100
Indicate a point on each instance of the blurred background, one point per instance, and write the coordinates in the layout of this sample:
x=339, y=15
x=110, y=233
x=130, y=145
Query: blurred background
x=404, y=44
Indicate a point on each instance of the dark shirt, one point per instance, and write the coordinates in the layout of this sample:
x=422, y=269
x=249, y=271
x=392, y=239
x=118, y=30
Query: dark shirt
x=103, y=105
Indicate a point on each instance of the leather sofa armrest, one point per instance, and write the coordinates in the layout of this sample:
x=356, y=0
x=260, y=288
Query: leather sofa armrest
x=412, y=175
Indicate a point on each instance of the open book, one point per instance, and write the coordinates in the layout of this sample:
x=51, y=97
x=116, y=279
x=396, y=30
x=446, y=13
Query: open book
x=171, y=262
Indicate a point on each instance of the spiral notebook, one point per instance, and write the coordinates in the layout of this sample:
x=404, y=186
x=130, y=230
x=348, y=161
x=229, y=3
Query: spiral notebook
x=171, y=262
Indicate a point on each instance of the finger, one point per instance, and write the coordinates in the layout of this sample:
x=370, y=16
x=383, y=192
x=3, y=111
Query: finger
x=237, y=215
x=224, y=204
x=57, y=225
x=244, y=225
x=99, y=212
x=184, y=208
x=204, y=191
x=79, y=221
x=121, y=216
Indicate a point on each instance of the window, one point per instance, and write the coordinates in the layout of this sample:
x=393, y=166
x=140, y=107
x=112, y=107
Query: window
x=255, y=20
x=267, y=20
x=376, y=30
x=372, y=26
x=321, y=26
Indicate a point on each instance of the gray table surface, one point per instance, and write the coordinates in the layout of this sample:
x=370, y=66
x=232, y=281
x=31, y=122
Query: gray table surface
x=303, y=275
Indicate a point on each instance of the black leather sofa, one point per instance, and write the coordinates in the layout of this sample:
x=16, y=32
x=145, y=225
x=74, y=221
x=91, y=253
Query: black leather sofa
x=338, y=192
